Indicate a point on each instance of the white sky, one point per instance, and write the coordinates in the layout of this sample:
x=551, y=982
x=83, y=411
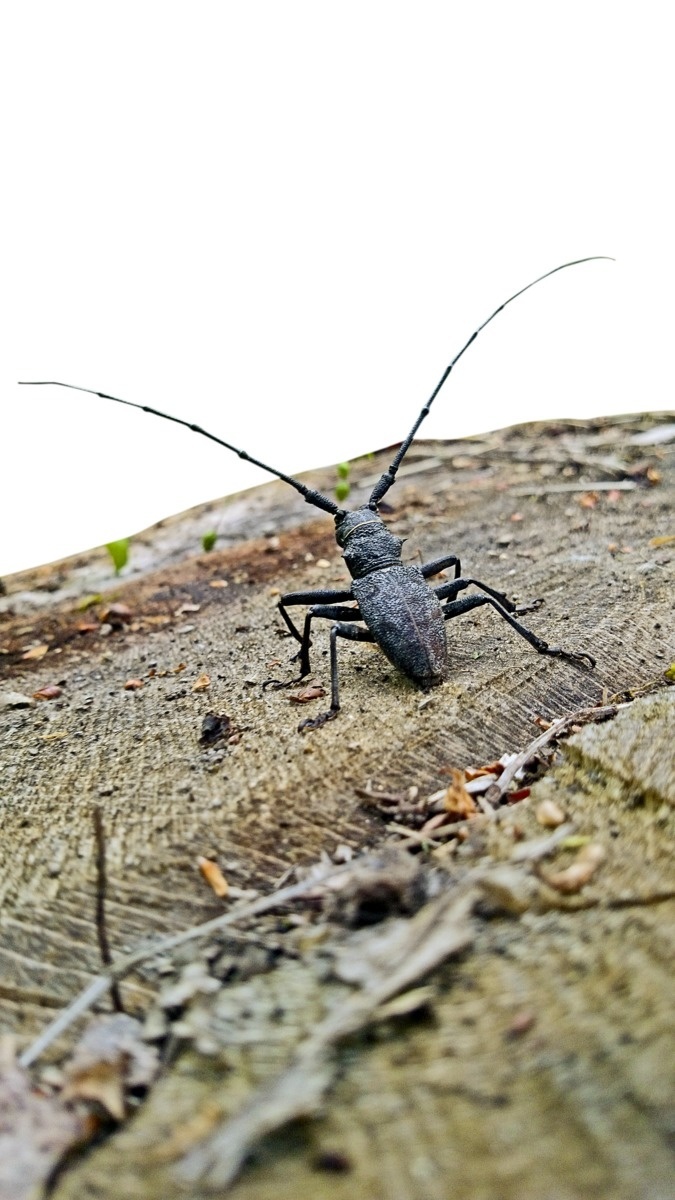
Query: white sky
x=282, y=219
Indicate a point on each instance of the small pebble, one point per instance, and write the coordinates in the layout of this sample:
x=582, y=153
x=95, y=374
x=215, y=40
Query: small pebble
x=549, y=814
x=9, y=700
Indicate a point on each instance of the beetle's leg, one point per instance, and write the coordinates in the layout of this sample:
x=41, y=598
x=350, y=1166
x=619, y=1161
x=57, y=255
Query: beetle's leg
x=449, y=591
x=456, y=607
x=329, y=596
x=440, y=564
x=331, y=611
x=355, y=633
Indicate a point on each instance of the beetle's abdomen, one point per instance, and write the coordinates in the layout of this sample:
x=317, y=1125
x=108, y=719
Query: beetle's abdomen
x=405, y=618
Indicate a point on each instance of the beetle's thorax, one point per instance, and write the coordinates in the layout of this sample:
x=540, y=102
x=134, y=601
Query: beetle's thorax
x=367, y=543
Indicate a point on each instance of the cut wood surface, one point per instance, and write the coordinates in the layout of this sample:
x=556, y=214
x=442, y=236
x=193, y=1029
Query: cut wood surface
x=539, y=1068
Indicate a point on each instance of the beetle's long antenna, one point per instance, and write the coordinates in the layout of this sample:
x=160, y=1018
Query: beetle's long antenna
x=310, y=495
x=389, y=477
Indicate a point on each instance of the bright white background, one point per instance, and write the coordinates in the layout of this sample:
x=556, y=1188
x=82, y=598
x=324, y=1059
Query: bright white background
x=282, y=219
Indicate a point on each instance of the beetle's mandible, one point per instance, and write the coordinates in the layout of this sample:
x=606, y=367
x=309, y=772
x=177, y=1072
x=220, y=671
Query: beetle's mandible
x=388, y=602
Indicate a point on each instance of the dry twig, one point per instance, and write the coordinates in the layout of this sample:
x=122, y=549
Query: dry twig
x=101, y=889
x=102, y=983
x=582, y=717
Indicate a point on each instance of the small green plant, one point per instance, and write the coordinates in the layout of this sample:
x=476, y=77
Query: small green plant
x=89, y=602
x=119, y=552
x=342, y=487
x=209, y=540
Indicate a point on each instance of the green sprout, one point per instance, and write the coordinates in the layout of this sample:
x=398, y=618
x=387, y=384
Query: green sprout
x=209, y=540
x=342, y=487
x=119, y=553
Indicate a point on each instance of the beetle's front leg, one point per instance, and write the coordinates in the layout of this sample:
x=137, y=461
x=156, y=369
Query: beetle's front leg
x=329, y=596
x=440, y=564
x=448, y=591
x=354, y=633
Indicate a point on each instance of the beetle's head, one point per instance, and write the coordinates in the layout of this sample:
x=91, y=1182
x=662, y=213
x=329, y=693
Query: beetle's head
x=367, y=543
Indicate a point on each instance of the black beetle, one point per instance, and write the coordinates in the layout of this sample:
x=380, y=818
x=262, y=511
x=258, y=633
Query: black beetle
x=399, y=611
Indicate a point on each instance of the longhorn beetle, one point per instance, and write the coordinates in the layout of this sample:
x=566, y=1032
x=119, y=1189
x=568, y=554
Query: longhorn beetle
x=399, y=611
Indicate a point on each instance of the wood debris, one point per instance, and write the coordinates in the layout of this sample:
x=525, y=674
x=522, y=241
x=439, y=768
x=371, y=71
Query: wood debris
x=578, y=874
x=213, y=876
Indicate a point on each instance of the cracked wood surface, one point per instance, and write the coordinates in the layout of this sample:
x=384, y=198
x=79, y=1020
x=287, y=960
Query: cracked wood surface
x=276, y=798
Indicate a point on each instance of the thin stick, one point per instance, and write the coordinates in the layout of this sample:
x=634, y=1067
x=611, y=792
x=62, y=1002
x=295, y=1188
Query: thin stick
x=101, y=889
x=600, y=485
x=582, y=717
x=102, y=983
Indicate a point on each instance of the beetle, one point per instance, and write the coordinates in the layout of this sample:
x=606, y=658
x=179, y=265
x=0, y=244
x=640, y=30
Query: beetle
x=396, y=607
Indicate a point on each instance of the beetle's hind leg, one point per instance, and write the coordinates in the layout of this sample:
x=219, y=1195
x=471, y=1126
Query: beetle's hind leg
x=455, y=608
x=355, y=634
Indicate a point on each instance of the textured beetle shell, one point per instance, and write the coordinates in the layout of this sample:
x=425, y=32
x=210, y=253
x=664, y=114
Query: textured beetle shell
x=405, y=618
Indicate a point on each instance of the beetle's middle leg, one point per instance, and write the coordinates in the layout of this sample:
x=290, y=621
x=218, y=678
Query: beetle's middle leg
x=456, y=607
x=448, y=591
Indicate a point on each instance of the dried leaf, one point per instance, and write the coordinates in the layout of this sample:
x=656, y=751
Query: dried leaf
x=51, y=691
x=667, y=540
x=117, y=615
x=202, y=683
x=520, y=794
x=457, y=800
x=110, y=1058
x=306, y=696
x=213, y=876
x=35, y=652
x=471, y=773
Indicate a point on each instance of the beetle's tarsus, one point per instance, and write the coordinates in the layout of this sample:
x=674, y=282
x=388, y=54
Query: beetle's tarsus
x=278, y=684
x=317, y=722
x=576, y=656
